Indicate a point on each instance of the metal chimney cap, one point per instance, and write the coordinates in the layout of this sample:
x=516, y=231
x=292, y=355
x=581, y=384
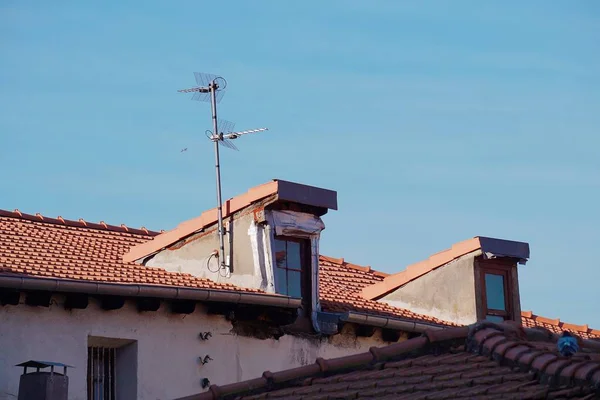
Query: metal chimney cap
x=42, y=364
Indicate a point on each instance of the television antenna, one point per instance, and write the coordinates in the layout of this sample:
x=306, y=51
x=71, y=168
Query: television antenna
x=211, y=88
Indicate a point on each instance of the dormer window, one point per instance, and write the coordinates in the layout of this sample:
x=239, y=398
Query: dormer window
x=497, y=292
x=292, y=267
x=474, y=280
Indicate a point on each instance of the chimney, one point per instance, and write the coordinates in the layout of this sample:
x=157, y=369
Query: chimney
x=43, y=385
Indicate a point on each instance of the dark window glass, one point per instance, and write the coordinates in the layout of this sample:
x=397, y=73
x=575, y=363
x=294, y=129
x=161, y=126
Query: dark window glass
x=281, y=280
x=294, y=256
x=494, y=292
x=294, y=284
x=280, y=253
x=289, y=267
x=494, y=318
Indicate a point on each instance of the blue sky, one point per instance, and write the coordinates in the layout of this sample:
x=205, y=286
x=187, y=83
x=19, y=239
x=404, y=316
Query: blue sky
x=435, y=121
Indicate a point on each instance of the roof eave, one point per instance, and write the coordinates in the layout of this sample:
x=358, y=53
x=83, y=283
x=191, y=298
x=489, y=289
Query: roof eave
x=20, y=282
x=379, y=321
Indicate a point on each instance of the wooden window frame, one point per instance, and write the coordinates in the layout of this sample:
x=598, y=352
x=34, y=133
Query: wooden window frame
x=505, y=272
x=305, y=267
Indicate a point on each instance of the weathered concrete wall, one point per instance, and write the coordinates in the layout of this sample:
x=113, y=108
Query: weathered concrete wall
x=447, y=293
x=192, y=257
x=167, y=347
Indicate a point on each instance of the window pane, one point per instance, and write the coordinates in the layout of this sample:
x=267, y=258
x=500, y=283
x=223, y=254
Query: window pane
x=280, y=253
x=280, y=280
x=294, y=284
x=293, y=255
x=494, y=291
x=494, y=318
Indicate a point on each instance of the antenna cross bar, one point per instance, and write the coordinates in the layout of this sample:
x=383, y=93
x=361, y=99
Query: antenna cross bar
x=195, y=89
x=235, y=135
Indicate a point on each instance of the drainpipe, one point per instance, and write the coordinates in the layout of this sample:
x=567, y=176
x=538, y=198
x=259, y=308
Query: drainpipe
x=154, y=291
x=315, y=304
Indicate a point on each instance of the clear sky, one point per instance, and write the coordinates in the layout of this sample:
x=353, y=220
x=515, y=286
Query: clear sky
x=435, y=121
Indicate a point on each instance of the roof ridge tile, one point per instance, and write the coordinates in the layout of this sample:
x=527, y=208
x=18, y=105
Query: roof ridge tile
x=203, y=221
x=416, y=270
x=527, y=314
x=574, y=327
x=585, y=328
x=549, y=321
x=342, y=262
x=37, y=217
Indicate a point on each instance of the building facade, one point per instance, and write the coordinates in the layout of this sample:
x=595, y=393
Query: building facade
x=161, y=315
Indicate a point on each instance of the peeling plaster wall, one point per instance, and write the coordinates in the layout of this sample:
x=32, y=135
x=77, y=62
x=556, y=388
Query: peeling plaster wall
x=447, y=293
x=193, y=256
x=168, y=347
x=249, y=246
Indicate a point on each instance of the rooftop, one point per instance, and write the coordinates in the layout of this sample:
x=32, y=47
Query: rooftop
x=340, y=284
x=39, y=246
x=43, y=247
x=482, y=361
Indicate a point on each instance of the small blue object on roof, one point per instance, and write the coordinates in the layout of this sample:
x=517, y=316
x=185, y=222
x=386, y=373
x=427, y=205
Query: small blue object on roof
x=567, y=344
x=43, y=364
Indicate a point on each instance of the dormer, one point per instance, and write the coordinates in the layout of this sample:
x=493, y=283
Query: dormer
x=474, y=280
x=271, y=242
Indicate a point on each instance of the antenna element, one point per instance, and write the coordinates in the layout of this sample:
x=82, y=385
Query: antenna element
x=211, y=88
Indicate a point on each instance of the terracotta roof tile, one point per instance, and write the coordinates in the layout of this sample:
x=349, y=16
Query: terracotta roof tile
x=557, y=326
x=42, y=246
x=207, y=218
x=340, y=285
x=457, y=363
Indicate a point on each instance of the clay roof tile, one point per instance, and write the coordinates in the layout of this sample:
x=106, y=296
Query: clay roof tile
x=61, y=248
x=80, y=250
x=436, y=365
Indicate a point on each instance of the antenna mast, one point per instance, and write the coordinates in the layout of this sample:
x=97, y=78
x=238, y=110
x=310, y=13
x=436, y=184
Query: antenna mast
x=211, y=88
x=213, y=106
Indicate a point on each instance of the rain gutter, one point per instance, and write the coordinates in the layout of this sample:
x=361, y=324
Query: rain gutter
x=389, y=323
x=154, y=291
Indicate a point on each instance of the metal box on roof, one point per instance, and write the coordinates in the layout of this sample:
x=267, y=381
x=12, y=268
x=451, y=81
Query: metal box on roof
x=43, y=385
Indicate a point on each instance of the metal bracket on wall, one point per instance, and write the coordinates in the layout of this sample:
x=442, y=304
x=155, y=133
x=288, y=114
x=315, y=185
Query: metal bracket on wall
x=205, y=359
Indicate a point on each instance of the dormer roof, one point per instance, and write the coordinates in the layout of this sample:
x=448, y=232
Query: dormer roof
x=488, y=247
x=279, y=189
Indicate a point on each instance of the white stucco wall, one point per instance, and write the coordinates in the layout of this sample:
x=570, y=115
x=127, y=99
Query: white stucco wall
x=447, y=293
x=168, y=347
